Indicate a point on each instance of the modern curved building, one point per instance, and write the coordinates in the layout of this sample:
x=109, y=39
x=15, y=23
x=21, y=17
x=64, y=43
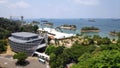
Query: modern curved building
x=26, y=42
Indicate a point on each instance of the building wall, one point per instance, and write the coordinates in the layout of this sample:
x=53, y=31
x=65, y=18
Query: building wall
x=28, y=48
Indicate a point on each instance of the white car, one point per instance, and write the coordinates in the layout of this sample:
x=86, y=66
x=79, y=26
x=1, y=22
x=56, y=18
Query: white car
x=41, y=60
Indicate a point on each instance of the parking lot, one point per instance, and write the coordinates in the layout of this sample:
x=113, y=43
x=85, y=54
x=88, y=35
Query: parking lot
x=9, y=62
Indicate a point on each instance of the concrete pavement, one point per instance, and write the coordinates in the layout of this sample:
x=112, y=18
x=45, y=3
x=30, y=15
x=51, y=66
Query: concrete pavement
x=10, y=63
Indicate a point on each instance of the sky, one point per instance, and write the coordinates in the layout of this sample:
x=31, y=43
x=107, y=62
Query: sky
x=60, y=8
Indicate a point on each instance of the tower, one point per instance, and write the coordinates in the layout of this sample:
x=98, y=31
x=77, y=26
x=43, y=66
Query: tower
x=22, y=18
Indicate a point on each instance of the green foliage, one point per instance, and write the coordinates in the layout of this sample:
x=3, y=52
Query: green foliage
x=56, y=50
x=50, y=49
x=53, y=60
x=110, y=47
x=96, y=37
x=100, y=40
x=82, y=60
x=67, y=25
x=4, y=33
x=106, y=40
x=60, y=56
x=21, y=56
x=104, y=59
x=107, y=57
x=59, y=50
x=2, y=46
x=76, y=51
x=90, y=28
x=56, y=57
x=118, y=34
x=9, y=26
x=118, y=41
x=29, y=28
x=35, y=28
x=84, y=57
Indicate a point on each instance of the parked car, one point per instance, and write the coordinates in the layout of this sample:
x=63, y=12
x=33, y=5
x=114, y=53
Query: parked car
x=41, y=60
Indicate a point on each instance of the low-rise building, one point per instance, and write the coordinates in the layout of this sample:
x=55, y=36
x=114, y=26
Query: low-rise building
x=26, y=42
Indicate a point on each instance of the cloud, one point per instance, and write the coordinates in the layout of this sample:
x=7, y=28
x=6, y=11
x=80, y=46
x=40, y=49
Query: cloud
x=20, y=4
x=3, y=1
x=87, y=2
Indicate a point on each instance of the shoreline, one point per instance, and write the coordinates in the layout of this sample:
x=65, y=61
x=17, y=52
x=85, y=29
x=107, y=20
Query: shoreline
x=68, y=28
x=90, y=30
x=113, y=34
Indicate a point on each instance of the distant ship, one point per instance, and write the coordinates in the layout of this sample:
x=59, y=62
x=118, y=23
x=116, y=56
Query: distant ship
x=91, y=20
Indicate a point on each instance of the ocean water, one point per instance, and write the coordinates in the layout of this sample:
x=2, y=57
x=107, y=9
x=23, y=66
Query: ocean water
x=105, y=25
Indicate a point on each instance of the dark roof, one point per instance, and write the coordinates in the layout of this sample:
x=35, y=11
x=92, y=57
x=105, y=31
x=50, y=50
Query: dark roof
x=24, y=34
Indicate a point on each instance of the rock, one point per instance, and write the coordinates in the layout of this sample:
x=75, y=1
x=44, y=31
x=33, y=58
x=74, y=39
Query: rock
x=52, y=42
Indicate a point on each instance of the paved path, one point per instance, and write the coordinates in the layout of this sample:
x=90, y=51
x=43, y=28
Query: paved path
x=10, y=63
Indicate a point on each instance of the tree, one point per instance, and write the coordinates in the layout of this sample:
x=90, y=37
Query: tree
x=2, y=46
x=118, y=41
x=21, y=28
x=118, y=34
x=106, y=40
x=35, y=28
x=107, y=57
x=103, y=59
x=50, y=49
x=52, y=60
x=21, y=56
x=59, y=50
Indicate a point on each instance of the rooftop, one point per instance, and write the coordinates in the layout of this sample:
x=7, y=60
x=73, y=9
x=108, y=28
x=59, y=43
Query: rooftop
x=24, y=34
x=24, y=41
x=58, y=35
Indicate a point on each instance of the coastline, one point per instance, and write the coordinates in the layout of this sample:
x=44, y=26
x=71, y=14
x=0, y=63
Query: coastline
x=68, y=28
x=90, y=30
x=113, y=34
x=100, y=23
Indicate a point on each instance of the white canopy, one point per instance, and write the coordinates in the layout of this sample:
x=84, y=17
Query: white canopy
x=58, y=35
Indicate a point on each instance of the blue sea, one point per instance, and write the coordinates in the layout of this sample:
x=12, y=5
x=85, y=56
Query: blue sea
x=105, y=25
